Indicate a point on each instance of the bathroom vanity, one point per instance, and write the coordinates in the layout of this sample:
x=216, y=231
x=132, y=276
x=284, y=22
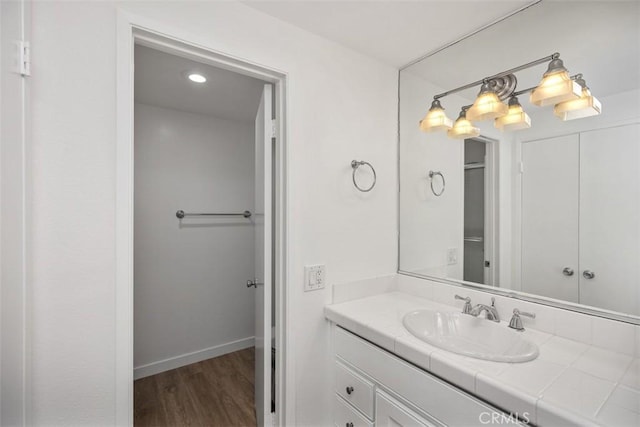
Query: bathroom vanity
x=386, y=376
x=375, y=387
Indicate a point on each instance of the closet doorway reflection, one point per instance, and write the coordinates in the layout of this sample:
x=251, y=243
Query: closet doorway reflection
x=477, y=215
x=204, y=304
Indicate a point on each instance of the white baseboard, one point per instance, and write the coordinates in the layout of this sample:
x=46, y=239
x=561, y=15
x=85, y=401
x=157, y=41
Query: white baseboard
x=189, y=358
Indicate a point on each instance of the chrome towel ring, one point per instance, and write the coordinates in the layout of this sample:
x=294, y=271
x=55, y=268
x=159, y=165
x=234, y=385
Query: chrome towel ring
x=355, y=164
x=431, y=175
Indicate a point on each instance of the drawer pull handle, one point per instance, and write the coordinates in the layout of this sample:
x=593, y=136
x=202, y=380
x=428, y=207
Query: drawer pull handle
x=349, y=424
x=349, y=390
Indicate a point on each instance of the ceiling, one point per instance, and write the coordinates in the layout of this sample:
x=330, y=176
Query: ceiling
x=393, y=31
x=160, y=80
x=593, y=39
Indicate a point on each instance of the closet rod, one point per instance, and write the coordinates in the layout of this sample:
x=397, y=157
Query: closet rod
x=181, y=214
x=470, y=166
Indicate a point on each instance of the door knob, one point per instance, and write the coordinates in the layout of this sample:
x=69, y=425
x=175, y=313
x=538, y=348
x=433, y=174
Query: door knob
x=253, y=283
x=588, y=274
x=567, y=271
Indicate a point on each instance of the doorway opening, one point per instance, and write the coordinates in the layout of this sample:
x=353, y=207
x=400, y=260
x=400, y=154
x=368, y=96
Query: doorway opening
x=207, y=227
x=479, y=241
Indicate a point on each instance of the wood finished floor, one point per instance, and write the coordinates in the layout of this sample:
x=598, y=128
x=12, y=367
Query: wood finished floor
x=214, y=392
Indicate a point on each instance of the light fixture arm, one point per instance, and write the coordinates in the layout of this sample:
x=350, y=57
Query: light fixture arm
x=548, y=58
x=570, y=96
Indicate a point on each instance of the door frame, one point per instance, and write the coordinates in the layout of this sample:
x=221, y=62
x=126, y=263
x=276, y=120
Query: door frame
x=132, y=30
x=15, y=216
x=491, y=207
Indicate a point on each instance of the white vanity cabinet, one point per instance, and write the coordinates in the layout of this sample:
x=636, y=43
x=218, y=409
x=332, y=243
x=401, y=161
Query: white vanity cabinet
x=376, y=388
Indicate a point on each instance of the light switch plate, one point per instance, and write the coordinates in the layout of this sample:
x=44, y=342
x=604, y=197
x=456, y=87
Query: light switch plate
x=314, y=277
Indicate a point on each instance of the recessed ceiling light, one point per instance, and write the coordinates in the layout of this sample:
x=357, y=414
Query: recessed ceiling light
x=197, y=78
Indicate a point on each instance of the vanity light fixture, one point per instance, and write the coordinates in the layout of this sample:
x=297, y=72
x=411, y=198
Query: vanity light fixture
x=570, y=95
x=487, y=105
x=515, y=119
x=463, y=128
x=436, y=119
x=196, y=78
x=585, y=106
x=556, y=85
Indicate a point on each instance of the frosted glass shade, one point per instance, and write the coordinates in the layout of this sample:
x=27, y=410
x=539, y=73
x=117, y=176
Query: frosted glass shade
x=463, y=129
x=586, y=106
x=515, y=119
x=555, y=88
x=435, y=120
x=486, y=107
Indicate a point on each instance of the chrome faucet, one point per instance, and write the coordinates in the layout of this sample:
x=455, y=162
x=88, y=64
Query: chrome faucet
x=492, y=313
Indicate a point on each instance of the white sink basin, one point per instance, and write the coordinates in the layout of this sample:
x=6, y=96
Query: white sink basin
x=470, y=336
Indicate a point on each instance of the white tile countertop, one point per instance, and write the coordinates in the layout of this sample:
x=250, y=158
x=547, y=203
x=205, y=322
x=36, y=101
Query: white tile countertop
x=570, y=383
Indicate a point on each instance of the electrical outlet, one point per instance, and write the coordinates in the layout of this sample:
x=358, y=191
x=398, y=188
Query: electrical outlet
x=452, y=256
x=314, y=277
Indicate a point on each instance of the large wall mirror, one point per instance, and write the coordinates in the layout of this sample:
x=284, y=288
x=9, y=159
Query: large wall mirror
x=550, y=213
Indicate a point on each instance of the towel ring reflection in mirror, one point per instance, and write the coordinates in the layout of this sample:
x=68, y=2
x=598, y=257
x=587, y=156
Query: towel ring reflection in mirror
x=355, y=164
x=431, y=175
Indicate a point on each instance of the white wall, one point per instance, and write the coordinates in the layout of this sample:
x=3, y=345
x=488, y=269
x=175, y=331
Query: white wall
x=341, y=106
x=190, y=275
x=429, y=225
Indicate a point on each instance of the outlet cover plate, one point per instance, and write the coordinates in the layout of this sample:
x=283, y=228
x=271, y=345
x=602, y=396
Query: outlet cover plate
x=314, y=277
x=452, y=256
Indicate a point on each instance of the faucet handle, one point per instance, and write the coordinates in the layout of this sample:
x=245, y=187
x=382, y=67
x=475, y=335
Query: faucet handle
x=467, y=299
x=516, y=322
x=524, y=313
x=467, y=304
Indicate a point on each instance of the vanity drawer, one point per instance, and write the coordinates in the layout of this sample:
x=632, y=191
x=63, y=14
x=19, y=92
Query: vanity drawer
x=390, y=412
x=354, y=389
x=344, y=415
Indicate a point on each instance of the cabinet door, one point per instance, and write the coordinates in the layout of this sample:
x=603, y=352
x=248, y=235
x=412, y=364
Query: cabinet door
x=610, y=217
x=550, y=203
x=391, y=413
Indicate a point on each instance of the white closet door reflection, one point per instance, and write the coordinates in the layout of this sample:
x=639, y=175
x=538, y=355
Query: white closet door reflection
x=609, y=212
x=550, y=203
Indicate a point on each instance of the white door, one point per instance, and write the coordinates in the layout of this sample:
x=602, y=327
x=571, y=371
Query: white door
x=550, y=206
x=263, y=256
x=609, y=213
